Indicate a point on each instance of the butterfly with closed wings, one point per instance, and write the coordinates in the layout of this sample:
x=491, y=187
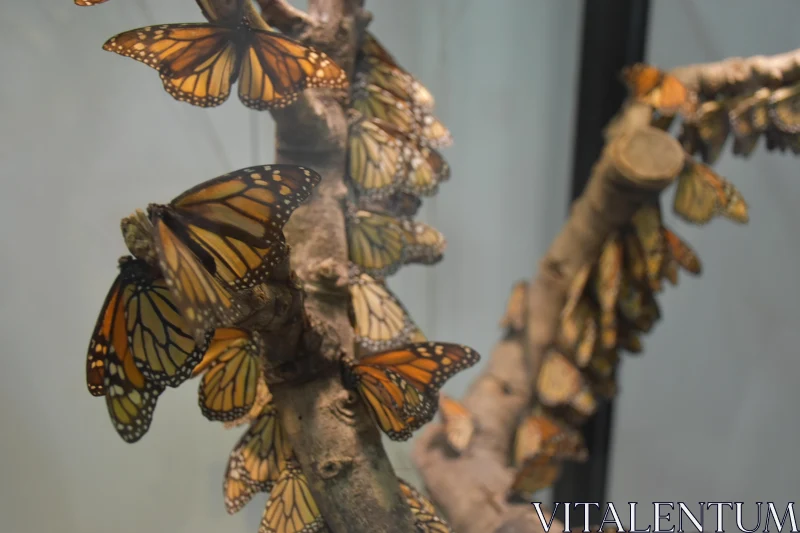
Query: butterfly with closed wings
x=257, y=460
x=140, y=345
x=291, y=507
x=198, y=63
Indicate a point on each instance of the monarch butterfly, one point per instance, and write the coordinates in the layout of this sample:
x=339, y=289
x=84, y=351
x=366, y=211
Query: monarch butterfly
x=256, y=461
x=377, y=159
x=749, y=118
x=381, y=321
x=539, y=434
x=380, y=244
x=373, y=49
x=662, y=91
x=291, y=508
x=459, y=424
x=399, y=386
x=89, y=2
x=376, y=65
x=711, y=127
x=702, y=194
x=516, y=308
x=540, y=447
x=374, y=102
x=428, y=169
x=784, y=109
x=647, y=225
x=399, y=205
x=606, y=284
x=371, y=70
x=637, y=304
x=634, y=258
x=198, y=63
x=110, y=367
x=426, y=244
x=425, y=516
x=681, y=254
x=225, y=234
x=382, y=159
x=231, y=372
x=577, y=332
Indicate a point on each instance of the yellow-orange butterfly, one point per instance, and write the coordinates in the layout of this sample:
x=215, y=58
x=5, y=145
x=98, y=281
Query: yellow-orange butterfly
x=541, y=445
x=381, y=244
x=225, y=235
x=291, y=507
x=400, y=386
x=382, y=160
x=647, y=226
x=459, y=423
x=377, y=159
x=784, y=109
x=425, y=516
x=110, y=366
x=381, y=321
x=371, y=70
x=702, y=194
x=749, y=118
x=198, y=63
x=89, y=2
x=679, y=255
x=257, y=460
x=662, y=91
x=375, y=102
x=606, y=283
x=231, y=371
x=377, y=66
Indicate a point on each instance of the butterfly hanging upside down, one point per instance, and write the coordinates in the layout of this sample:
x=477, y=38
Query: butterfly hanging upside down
x=198, y=63
x=138, y=348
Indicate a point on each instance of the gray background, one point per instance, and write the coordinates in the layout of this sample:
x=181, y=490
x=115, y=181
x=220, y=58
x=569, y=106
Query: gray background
x=87, y=136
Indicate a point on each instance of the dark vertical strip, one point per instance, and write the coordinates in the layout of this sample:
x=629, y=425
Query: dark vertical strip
x=614, y=35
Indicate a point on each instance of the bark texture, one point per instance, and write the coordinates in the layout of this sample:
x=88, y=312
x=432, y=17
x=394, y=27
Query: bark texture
x=337, y=444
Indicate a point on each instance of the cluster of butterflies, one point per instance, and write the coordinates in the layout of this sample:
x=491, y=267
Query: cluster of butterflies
x=610, y=304
x=701, y=193
x=612, y=301
x=263, y=461
x=172, y=311
x=392, y=162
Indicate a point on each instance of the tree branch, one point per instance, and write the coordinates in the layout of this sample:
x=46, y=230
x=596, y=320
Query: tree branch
x=336, y=442
x=639, y=162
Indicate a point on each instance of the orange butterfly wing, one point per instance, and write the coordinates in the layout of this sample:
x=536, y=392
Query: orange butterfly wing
x=275, y=69
x=89, y=2
x=197, y=62
x=400, y=385
x=102, y=338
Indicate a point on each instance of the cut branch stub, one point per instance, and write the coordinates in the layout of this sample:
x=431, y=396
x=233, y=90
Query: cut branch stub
x=648, y=157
